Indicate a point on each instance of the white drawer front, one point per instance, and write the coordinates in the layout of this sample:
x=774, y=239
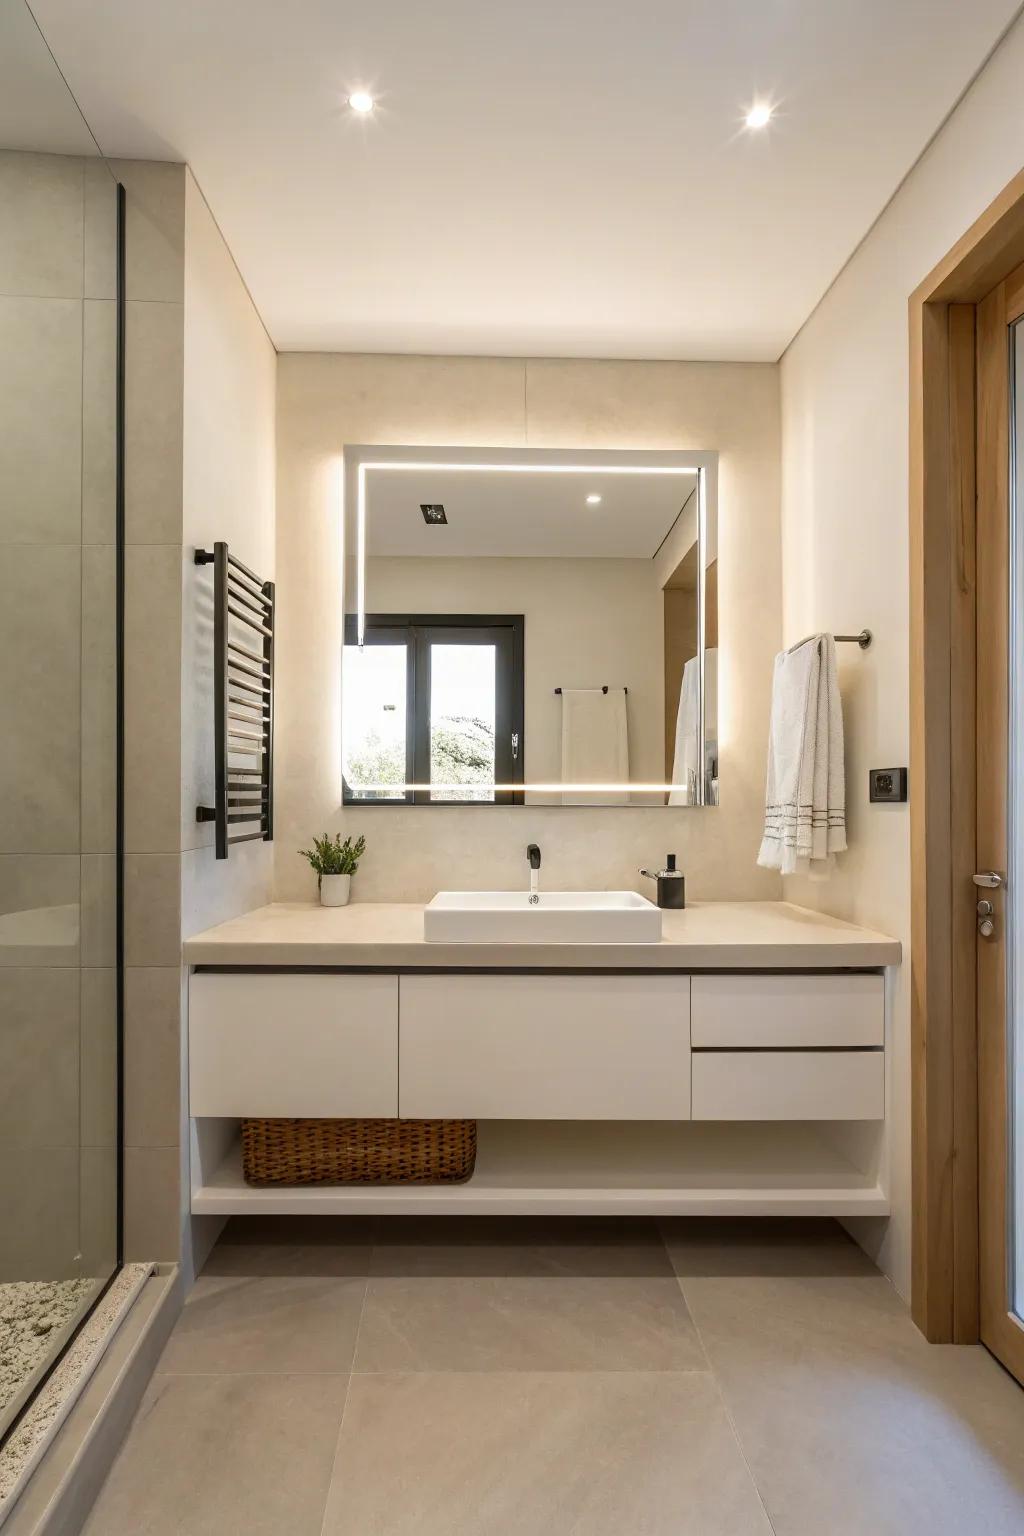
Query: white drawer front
x=788, y=1085
x=293, y=1045
x=545, y=1047
x=759, y=1010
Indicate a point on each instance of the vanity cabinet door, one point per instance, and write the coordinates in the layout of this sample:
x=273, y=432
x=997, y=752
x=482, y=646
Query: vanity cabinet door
x=516, y=1047
x=748, y=1010
x=293, y=1045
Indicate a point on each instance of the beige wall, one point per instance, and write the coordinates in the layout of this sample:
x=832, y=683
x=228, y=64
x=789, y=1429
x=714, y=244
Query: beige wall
x=588, y=622
x=228, y=494
x=325, y=401
x=845, y=492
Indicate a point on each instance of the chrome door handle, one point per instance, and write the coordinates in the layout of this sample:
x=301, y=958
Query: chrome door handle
x=989, y=880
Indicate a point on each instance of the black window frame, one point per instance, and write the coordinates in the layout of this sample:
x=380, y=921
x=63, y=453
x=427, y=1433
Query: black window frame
x=507, y=631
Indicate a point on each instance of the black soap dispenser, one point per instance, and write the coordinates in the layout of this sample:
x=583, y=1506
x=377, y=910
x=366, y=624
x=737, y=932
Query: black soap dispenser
x=671, y=884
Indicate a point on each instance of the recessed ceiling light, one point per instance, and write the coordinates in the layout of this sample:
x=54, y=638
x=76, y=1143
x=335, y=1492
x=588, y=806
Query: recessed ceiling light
x=361, y=101
x=759, y=115
x=593, y=499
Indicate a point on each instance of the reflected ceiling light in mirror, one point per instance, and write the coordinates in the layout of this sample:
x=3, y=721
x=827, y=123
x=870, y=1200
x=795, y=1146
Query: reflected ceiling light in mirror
x=401, y=466
x=759, y=115
x=361, y=102
x=593, y=499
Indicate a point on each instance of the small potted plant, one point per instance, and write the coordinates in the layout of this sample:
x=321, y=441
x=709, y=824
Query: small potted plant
x=335, y=863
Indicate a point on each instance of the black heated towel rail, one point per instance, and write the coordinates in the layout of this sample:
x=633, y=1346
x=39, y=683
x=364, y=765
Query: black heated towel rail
x=243, y=702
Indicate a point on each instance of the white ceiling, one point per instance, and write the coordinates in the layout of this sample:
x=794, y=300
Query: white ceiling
x=37, y=111
x=543, y=177
x=523, y=515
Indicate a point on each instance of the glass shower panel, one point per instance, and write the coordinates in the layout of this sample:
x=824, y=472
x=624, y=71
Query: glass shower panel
x=59, y=1034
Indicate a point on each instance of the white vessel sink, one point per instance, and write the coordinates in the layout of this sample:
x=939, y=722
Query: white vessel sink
x=560, y=917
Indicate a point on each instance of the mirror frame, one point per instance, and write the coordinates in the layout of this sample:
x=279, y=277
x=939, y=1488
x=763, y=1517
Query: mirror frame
x=359, y=460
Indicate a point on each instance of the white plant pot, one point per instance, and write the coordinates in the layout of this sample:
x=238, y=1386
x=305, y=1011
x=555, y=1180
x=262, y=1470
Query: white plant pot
x=335, y=890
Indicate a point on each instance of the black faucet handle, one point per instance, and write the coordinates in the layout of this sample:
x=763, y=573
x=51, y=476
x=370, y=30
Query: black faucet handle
x=533, y=854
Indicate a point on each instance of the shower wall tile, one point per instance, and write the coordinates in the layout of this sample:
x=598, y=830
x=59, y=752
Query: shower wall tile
x=152, y=918
x=98, y=1026
x=99, y=421
x=100, y=231
x=99, y=889
x=39, y=1199
x=154, y=382
x=97, y=1239
x=40, y=420
x=152, y=697
x=42, y=231
x=39, y=909
x=155, y=235
x=40, y=1061
x=99, y=698
x=152, y=1056
x=40, y=599
x=152, y=1207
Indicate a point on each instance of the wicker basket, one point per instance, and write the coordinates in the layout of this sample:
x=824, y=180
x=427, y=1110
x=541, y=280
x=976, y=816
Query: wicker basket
x=358, y=1151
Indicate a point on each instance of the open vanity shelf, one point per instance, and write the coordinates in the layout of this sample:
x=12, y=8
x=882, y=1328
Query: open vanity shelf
x=583, y=1168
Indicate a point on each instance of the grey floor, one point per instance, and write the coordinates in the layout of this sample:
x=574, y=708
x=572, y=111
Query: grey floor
x=561, y=1379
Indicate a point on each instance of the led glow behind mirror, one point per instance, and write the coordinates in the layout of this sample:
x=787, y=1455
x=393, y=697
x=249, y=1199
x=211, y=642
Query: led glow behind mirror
x=600, y=590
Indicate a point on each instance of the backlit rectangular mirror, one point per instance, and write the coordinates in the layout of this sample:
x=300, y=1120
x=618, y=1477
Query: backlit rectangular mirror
x=530, y=626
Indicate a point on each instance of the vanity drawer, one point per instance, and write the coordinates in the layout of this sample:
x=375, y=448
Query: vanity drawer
x=293, y=1045
x=515, y=1047
x=788, y=1085
x=780, y=1010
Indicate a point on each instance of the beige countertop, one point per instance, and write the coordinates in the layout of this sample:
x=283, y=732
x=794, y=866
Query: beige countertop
x=720, y=935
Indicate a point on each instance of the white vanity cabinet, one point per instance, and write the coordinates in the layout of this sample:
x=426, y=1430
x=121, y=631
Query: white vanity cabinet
x=784, y=1047
x=293, y=1045
x=737, y=1068
x=545, y=1047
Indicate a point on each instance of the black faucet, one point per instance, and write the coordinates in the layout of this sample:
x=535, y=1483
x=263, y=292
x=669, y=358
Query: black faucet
x=533, y=854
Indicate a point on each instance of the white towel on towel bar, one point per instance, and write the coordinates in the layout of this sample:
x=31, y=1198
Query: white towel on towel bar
x=595, y=743
x=805, y=798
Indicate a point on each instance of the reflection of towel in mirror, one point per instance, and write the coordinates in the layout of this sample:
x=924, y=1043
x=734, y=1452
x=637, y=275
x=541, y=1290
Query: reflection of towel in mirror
x=595, y=743
x=805, y=799
x=686, y=764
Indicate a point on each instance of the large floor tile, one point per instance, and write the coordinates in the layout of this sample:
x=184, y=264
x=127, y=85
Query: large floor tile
x=762, y=1246
x=526, y=1323
x=505, y=1295
x=850, y=1421
x=529, y=1454
x=224, y=1456
x=235, y=1324
x=480, y=1245
x=293, y=1245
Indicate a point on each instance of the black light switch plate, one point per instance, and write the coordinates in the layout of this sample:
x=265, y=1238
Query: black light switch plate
x=887, y=784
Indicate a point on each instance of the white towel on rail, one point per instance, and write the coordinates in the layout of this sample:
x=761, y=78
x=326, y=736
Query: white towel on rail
x=805, y=798
x=595, y=743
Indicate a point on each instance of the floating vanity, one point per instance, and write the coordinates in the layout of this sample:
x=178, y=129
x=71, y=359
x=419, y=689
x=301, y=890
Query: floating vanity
x=736, y=1066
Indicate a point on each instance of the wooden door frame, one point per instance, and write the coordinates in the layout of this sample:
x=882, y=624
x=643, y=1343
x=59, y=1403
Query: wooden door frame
x=944, y=1043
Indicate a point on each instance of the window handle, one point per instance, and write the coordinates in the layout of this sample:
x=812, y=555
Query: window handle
x=989, y=881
